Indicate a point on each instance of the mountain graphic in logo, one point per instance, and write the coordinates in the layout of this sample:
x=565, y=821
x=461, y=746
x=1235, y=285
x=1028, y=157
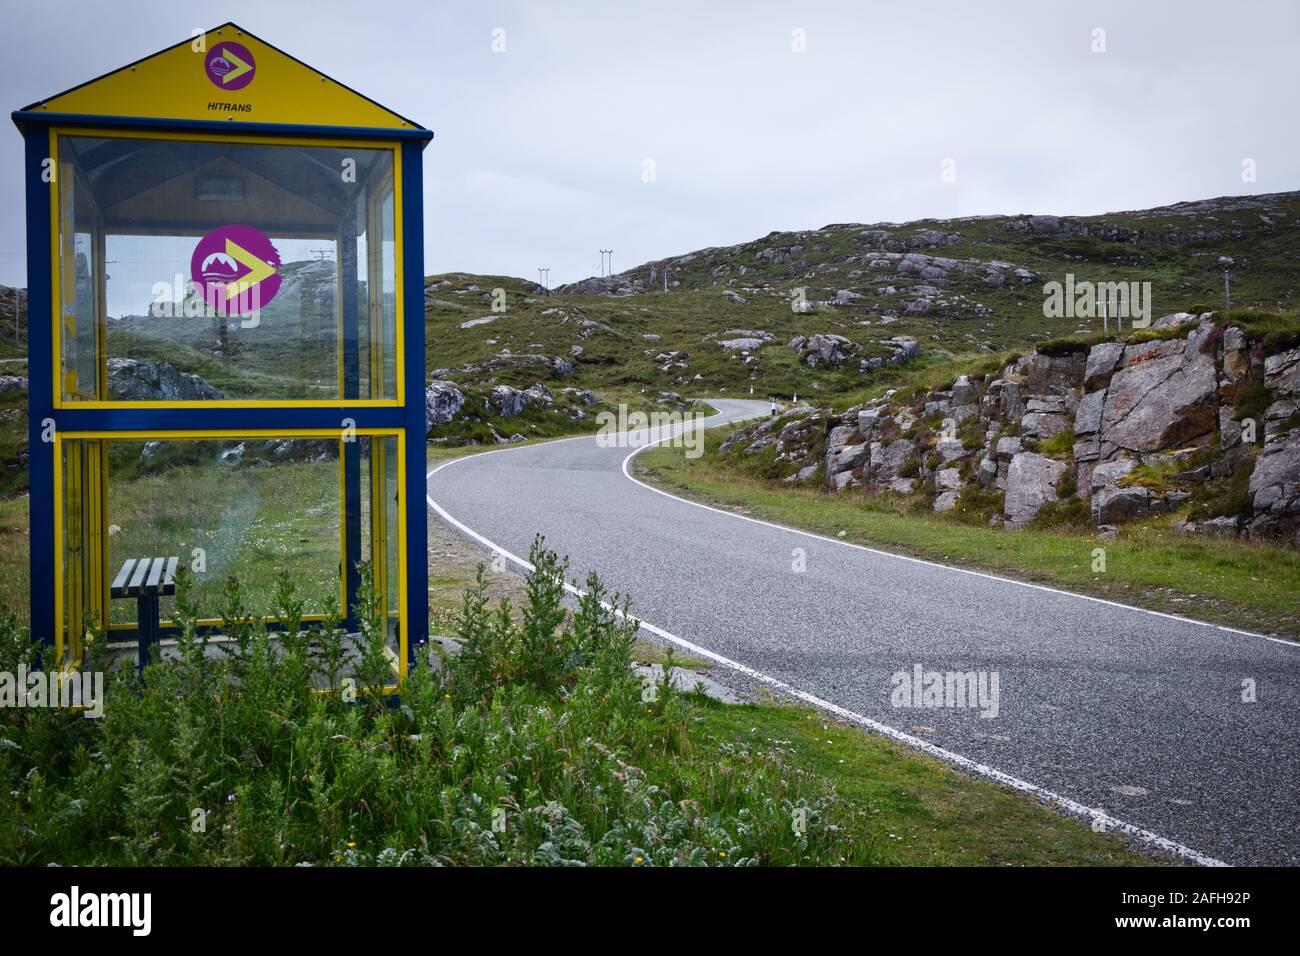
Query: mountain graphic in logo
x=220, y=65
x=219, y=267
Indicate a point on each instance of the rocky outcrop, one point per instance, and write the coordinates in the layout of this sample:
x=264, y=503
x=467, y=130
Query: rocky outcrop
x=130, y=380
x=1275, y=489
x=826, y=350
x=442, y=402
x=1147, y=425
x=1161, y=394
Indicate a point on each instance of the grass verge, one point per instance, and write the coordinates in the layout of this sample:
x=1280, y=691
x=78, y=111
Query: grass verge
x=1248, y=585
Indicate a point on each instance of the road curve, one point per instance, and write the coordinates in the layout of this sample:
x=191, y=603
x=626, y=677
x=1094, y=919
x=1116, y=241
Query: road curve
x=1133, y=716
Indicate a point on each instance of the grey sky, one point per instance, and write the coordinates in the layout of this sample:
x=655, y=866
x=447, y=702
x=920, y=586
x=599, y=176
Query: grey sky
x=540, y=150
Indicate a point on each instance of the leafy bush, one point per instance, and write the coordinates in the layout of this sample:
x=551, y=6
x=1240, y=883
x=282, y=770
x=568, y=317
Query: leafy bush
x=537, y=744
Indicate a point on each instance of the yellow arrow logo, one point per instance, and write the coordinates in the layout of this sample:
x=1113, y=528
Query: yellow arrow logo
x=257, y=269
x=240, y=66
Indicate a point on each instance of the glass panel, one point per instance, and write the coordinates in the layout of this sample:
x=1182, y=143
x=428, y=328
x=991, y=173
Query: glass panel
x=381, y=526
x=242, y=508
x=236, y=271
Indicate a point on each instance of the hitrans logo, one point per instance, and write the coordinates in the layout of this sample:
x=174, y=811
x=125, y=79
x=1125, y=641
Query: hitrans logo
x=977, y=690
x=1082, y=299
x=639, y=429
x=73, y=909
x=80, y=690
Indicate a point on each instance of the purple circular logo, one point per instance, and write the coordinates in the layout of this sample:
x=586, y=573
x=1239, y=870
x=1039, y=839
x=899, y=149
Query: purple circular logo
x=230, y=65
x=235, y=268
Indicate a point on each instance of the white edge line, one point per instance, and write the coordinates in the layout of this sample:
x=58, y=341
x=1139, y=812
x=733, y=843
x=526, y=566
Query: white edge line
x=1100, y=819
x=932, y=564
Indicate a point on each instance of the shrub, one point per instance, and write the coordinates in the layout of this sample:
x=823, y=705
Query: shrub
x=537, y=744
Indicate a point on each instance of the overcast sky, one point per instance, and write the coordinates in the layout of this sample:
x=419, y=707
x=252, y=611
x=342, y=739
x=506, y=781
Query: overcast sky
x=540, y=156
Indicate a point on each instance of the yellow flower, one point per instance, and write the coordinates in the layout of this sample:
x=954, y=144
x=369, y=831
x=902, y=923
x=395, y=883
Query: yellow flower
x=722, y=853
x=638, y=859
x=351, y=844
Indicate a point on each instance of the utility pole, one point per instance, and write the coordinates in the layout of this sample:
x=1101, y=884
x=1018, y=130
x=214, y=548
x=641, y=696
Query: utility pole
x=603, y=252
x=665, y=278
x=1226, y=262
x=544, y=278
x=611, y=261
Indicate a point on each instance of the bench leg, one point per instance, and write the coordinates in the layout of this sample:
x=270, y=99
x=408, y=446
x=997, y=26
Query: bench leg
x=146, y=626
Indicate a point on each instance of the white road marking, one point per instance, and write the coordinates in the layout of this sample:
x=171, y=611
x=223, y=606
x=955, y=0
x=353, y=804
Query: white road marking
x=1099, y=817
x=933, y=564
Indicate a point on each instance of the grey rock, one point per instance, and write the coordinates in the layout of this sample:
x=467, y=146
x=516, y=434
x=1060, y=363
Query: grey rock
x=1107, y=473
x=947, y=479
x=1282, y=373
x=1161, y=396
x=130, y=380
x=508, y=401
x=1275, y=488
x=1113, y=503
x=1087, y=417
x=946, y=502
x=442, y=402
x=1031, y=484
x=894, y=456
x=1102, y=362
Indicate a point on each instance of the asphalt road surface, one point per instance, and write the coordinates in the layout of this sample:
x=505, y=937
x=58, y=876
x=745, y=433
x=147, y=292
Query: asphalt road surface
x=1133, y=718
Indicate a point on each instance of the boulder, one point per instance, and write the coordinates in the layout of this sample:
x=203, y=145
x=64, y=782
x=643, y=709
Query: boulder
x=1275, y=488
x=893, y=457
x=508, y=401
x=442, y=402
x=947, y=479
x=946, y=502
x=1102, y=361
x=1282, y=373
x=1053, y=373
x=1107, y=473
x=1087, y=417
x=1031, y=484
x=1113, y=503
x=130, y=380
x=1008, y=448
x=1165, y=393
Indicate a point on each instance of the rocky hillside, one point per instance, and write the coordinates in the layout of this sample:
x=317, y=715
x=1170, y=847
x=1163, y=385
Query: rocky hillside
x=1198, y=417
x=810, y=312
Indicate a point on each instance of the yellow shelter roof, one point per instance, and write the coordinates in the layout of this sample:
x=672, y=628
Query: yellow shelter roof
x=226, y=74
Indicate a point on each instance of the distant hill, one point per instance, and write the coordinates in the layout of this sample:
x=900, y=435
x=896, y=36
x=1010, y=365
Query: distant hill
x=957, y=286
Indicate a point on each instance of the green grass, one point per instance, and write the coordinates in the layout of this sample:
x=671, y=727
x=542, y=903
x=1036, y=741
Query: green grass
x=251, y=521
x=1250, y=585
x=918, y=811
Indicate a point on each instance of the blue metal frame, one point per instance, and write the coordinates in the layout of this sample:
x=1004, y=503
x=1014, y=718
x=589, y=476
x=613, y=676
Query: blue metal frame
x=409, y=417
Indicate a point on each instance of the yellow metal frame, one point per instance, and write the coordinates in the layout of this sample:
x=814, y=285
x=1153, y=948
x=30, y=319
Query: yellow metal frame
x=103, y=437
x=56, y=265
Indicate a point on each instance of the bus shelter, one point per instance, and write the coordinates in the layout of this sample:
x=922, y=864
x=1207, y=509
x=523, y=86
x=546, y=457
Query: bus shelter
x=224, y=242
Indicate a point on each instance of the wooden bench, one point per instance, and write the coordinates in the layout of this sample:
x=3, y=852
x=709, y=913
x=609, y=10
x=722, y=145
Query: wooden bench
x=145, y=579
